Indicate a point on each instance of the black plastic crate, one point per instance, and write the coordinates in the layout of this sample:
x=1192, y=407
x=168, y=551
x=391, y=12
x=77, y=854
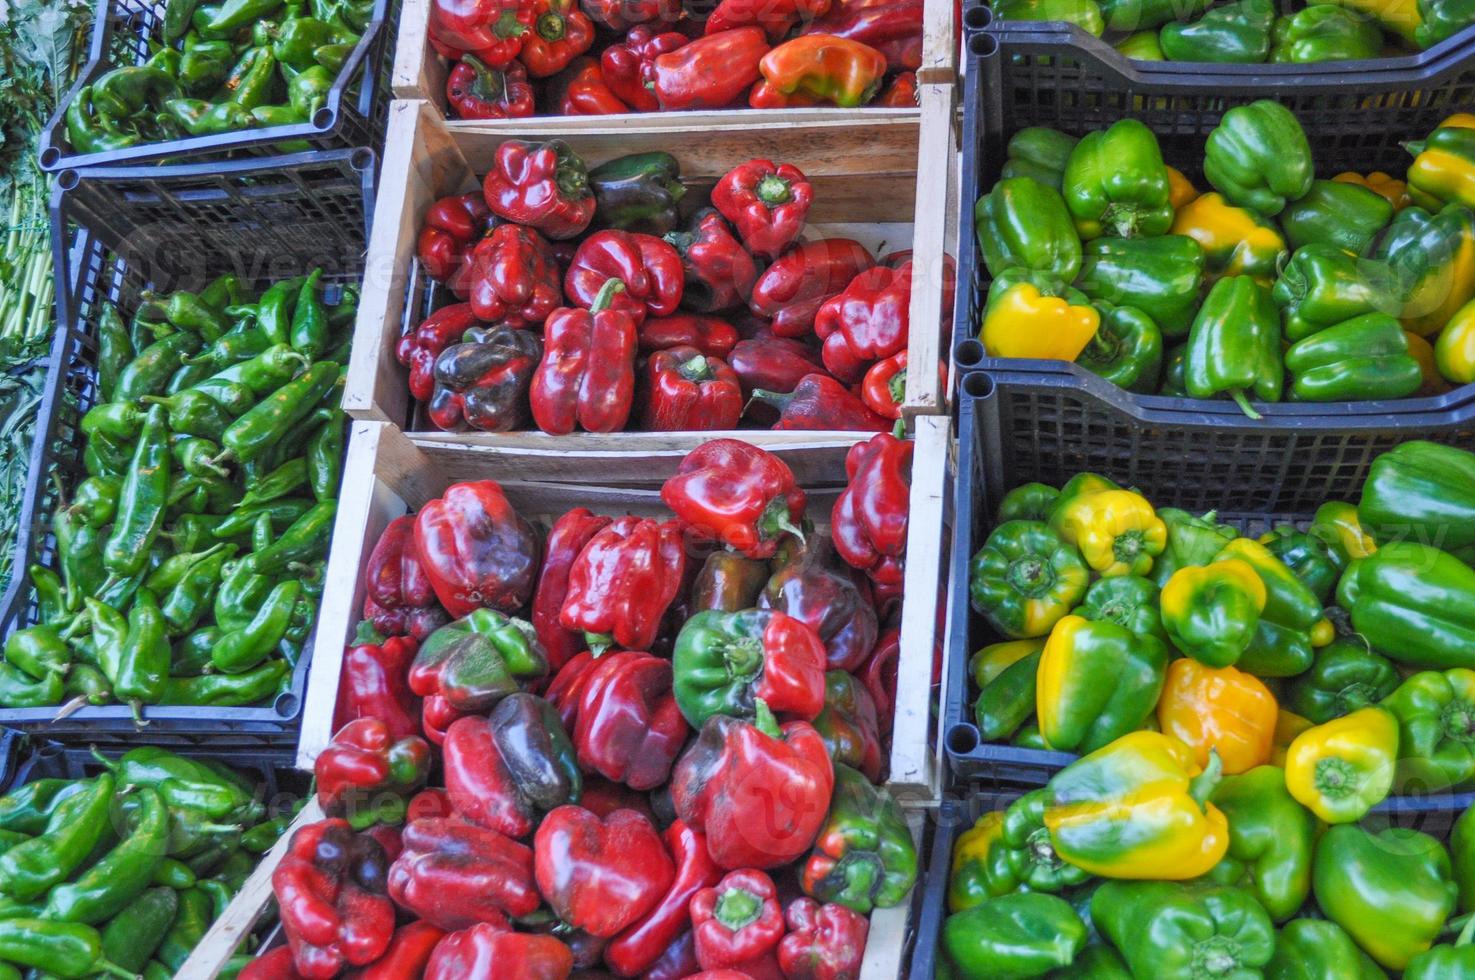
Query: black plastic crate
x=116, y=232
x=1037, y=74
x=354, y=114
x=1017, y=428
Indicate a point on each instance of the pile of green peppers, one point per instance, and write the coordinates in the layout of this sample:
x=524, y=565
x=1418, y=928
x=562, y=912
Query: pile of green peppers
x=121, y=874
x=221, y=67
x=189, y=561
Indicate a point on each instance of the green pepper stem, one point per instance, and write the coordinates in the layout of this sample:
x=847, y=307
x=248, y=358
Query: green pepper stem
x=1244, y=403
x=737, y=908
x=1200, y=787
x=606, y=295
x=764, y=720
x=772, y=190
x=112, y=969
x=70, y=708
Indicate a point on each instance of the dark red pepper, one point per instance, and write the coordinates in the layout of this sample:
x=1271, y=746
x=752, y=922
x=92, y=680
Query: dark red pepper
x=474, y=91
x=719, y=272
x=869, y=519
x=490, y=951
x=711, y=336
x=773, y=364
x=544, y=186
x=493, y=30
x=688, y=391
x=418, y=349
x=436, y=716
x=409, y=951
x=892, y=27
x=476, y=549
x=624, y=718
x=371, y=683
x=622, y=581
x=818, y=401
x=454, y=874
x=367, y=776
x=629, y=65
x=813, y=586
x=825, y=942
x=767, y=203
x=792, y=290
x=275, y=964
x=507, y=770
x=600, y=875
x=736, y=921
x=744, y=496
x=649, y=268
x=776, y=17
x=849, y=725
x=710, y=72
x=618, y=15
x=580, y=90
x=453, y=226
x=602, y=797
x=879, y=676
x=396, y=584
x=330, y=889
x=679, y=962
x=561, y=32
x=513, y=279
x=641, y=944
x=901, y=92
x=567, y=538
x=430, y=802
x=483, y=382
x=587, y=376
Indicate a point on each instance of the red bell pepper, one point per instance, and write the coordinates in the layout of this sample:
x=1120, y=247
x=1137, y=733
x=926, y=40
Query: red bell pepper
x=483, y=382
x=580, y=90
x=276, y=964
x=849, y=726
x=587, y=376
x=452, y=227
x=766, y=203
x=432, y=801
x=418, y=349
x=329, y=888
x=649, y=268
x=892, y=27
x=879, y=676
x=395, y=582
x=766, y=96
x=629, y=65
x=602, y=797
x=776, y=17
x=869, y=519
x=719, y=272
x=901, y=92
x=883, y=390
x=544, y=186
x=507, y=770
x=744, y=496
x=867, y=321
x=474, y=91
x=493, y=30
x=487, y=951
x=621, y=583
x=567, y=538
x=409, y=951
x=679, y=960
x=641, y=944
x=837, y=70
x=825, y=942
x=454, y=874
x=818, y=401
x=813, y=586
x=711, y=336
x=600, y=874
x=366, y=775
x=736, y=921
x=792, y=290
x=759, y=791
x=390, y=837
x=773, y=364
x=371, y=683
x=477, y=550
x=561, y=32
x=619, y=15
x=687, y=391
x=624, y=718
x=710, y=72
x=513, y=280
x=436, y=717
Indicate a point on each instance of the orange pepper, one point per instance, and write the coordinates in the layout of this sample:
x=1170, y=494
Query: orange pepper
x=1390, y=188
x=901, y=93
x=835, y=69
x=765, y=96
x=1219, y=708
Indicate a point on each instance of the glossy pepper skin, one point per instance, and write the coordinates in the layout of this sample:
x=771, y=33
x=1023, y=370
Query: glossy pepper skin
x=737, y=920
x=719, y=272
x=1022, y=935
x=863, y=856
x=1346, y=676
x=1115, y=183
x=622, y=715
x=1117, y=531
x=641, y=944
x=366, y=775
x=1330, y=33
x=1097, y=681
x=1219, y=708
x=1271, y=840
x=837, y=70
x=475, y=91
x=453, y=874
x=892, y=27
x=493, y=29
x=711, y=71
x=1235, y=240
x=544, y=186
x=744, y=496
x=1391, y=890
x=1026, y=578
x=688, y=391
x=869, y=520
x=1435, y=712
x=1341, y=769
x=1024, y=224
x=648, y=268
x=1258, y=157
x=1419, y=489
x=1160, y=276
x=638, y=192
x=1175, y=929
x=476, y=549
x=725, y=662
x=1233, y=345
x=869, y=320
x=818, y=401
x=1413, y=603
x=1366, y=357
x=483, y=383
x=1455, y=961
x=766, y=203
x=622, y=581
x=1008, y=851
x=450, y=228
x=712, y=337
x=507, y=770
x=1322, y=286
x=824, y=942
x=396, y=583
x=488, y=949
x=813, y=586
x=1007, y=676
x=1031, y=315
x=419, y=349
x=1440, y=173
x=474, y=662
x=1236, y=32
x=330, y=887
x=1336, y=213
x=580, y=90
x=1127, y=349
x=513, y=277
x=566, y=539
x=586, y=378
x=372, y=683
x=1309, y=948
x=849, y=726
x=1432, y=254
x=796, y=285
x=629, y=64
x=600, y=875
x=1291, y=621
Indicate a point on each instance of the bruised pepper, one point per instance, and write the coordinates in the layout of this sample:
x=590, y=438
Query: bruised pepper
x=1033, y=315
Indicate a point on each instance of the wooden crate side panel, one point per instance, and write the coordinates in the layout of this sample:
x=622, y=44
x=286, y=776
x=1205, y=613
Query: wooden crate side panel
x=418, y=72
x=934, y=247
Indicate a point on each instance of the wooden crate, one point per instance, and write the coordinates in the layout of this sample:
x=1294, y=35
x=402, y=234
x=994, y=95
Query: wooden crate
x=865, y=188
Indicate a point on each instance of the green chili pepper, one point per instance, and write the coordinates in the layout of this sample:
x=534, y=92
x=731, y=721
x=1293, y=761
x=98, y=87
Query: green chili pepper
x=274, y=310
x=130, y=89
x=192, y=412
x=85, y=684
x=190, y=924
x=187, y=311
x=50, y=599
x=308, y=90
x=257, y=71
x=220, y=894
x=236, y=14
x=114, y=350
x=95, y=501
x=141, y=500
x=200, y=118
x=333, y=56
x=143, y=666
x=325, y=456
x=241, y=342
x=309, y=331
x=244, y=648
x=64, y=949
x=256, y=431
x=226, y=690
x=192, y=454
x=241, y=592
x=38, y=650
x=86, y=133
x=281, y=481
x=78, y=550
x=74, y=828
x=187, y=376
x=303, y=541
x=192, y=595
x=237, y=387
x=120, y=420
x=105, y=456
x=149, y=372
x=134, y=933
x=204, y=66
x=28, y=809
x=183, y=783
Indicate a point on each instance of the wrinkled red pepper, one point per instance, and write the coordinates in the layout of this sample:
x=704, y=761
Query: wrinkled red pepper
x=371, y=683
x=867, y=321
x=623, y=716
x=901, y=92
x=452, y=227
x=649, y=268
x=792, y=290
x=580, y=90
x=409, y=952
x=544, y=186
x=736, y=921
x=561, y=32
x=513, y=280
x=869, y=519
x=398, y=596
x=825, y=942
x=474, y=91
x=710, y=72
x=619, y=15
x=815, y=587
x=759, y=791
x=743, y=495
x=773, y=364
x=641, y=944
x=483, y=382
x=849, y=726
x=818, y=401
x=775, y=17
x=476, y=549
x=489, y=950
x=600, y=875
x=766, y=203
x=621, y=583
x=688, y=391
x=454, y=874
x=587, y=376
x=367, y=776
x=329, y=887
x=708, y=334
x=879, y=676
x=719, y=273
x=567, y=538
x=629, y=65
x=884, y=388
x=418, y=349
x=506, y=771
x=892, y=27
x=493, y=30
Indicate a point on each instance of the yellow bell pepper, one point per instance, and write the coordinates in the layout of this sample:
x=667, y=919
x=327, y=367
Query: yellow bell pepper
x=1022, y=319
x=1421, y=350
x=1460, y=120
x=1138, y=808
x=1236, y=242
x=1454, y=351
x=1288, y=725
x=1336, y=523
x=1223, y=709
x=1181, y=191
x=1386, y=186
x=968, y=881
x=1342, y=769
x=1399, y=16
x=1117, y=531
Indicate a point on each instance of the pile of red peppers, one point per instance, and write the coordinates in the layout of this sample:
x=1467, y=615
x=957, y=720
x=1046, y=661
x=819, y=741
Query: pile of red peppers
x=630, y=746
x=619, y=298
x=515, y=58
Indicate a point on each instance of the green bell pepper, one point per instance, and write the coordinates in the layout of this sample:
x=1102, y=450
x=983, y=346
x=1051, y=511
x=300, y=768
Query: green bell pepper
x=1291, y=620
x=1026, y=578
x=1462, y=854
x=1030, y=502
x=1334, y=212
x=1212, y=612
x=1446, y=962
x=1436, y=731
x=1234, y=345
x=1127, y=349
x=1362, y=359
x=1184, y=931
x=1345, y=677
x=1009, y=851
x=1271, y=840
x=1038, y=152
x=1161, y=276
x=642, y=192
x=1097, y=961
x=1391, y=890
x=1085, y=14
x=1258, y=156
x=1023, y=224
x=1322, y=285
x=1311, y=559
x=1142, y=15
x=1413, y=603
x=1424, y=491
x=1433, y=261
x=1142, y=46
x=1324, y=32
x=1440, y=20
x=1116, y=183
x=1130, y=601
x=724, y=661
x=1097, y=682
x=1315, y=949
x=1234, y=33
x=1005, y=674
x=204, y=65
x=863, y=856
x=1192, y=541
x=199, y=118
x=1013, y=937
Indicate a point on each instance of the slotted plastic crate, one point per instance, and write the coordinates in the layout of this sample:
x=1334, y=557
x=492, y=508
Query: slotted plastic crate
x=352, y=116
x=1017, y=428
x=116, y=232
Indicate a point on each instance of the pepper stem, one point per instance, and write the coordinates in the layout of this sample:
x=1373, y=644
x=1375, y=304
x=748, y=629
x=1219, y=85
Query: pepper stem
x=135, y=707
x=1200, y=787
x=550, y=26
x=772, y=190
x=107, y=763
x=490, y=85
x=606, y=295
x=598, y=643
x=697, y=369
x=737, y=908
x=764, y=720
x=367, y=634
x=70, y=708
x=897, y=387
x=112, y=969
x=1238, y=395
x=778, y=399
